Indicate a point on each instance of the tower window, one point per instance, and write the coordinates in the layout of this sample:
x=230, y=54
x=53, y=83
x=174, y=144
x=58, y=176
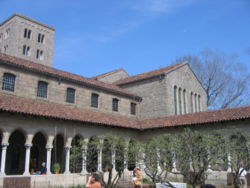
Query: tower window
x=8, y=82
x=39, y=54
x=94, y=100
x=26, y=50
x=27, y=33
x=70, y=97
x=115, y=104
x=42, y=89
x=40, y=38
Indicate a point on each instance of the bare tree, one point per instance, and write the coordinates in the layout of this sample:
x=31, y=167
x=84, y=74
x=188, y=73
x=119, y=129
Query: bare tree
x=225, y=80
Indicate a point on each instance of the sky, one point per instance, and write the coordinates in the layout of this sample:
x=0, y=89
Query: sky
x=97, y=36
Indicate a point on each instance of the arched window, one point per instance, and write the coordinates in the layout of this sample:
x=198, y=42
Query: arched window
x=70, y=96
x=8, y=82
x=175, y=100
x=184, y=102
x=42, y=89
x=192, y=102
x=180, y=101
x=195, y=102
x=199, y=102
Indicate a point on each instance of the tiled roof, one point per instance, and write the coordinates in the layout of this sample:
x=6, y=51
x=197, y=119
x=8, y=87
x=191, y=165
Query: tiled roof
x=149, y=74
x=213, y=116
x=29, y=65
x=18, y=105
x=107, y=73
x=56, y=111
x=27, y=18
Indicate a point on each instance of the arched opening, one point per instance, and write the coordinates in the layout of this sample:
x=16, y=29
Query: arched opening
x=175, y=100
x=76, y=153
x=119, y=155
x=106, y=156
x=131, y=155
x=15, y=160
x=58, y=153
x=38, y=152
x=92, y=154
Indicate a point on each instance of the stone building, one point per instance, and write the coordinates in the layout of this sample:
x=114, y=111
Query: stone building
x=45, y=110
x=26, y=38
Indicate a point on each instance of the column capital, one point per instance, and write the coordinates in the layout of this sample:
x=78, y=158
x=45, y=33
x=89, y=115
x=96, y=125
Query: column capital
x=5, y=144
x=28, y=145
x=49, y=147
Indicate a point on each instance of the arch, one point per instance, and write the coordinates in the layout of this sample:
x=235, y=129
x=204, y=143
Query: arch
x=38, y=152
x=175, y=100
x=192, y=102
x=195, y=102
x=107, y=155
x=184, y=102
x=92, y=154
x=15, y=159
x=76, y=154
x=180, y=100
x=58, y=153
x=119, y=156
x=131, y=155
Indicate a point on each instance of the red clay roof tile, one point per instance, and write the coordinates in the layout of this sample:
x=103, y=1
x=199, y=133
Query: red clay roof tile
x=149, y=74
x=29, y=65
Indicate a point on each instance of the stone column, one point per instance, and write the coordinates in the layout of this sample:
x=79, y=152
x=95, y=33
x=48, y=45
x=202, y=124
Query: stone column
x=27, y=159
x=126, y=156
x=113, y=160
x=84, y=156
x=100, y=156
x=158, y=159
x=49, y=147
x=48, y=161
x=229, y=169
x=67, y=148
x=67, y=157
x=174, y=163
x=28, y=145
x=5, y=144
x=4, y=148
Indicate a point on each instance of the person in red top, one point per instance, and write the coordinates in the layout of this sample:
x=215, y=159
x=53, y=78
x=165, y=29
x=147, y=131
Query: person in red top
x=93, y=182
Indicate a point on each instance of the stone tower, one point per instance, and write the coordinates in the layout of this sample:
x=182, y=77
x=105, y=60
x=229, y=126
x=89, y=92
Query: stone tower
x=26, y=38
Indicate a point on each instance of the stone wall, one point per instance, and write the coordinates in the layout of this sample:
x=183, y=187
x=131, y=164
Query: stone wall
x=158, y=93
x=114, y=76
x=26, y=86
x=16, y=40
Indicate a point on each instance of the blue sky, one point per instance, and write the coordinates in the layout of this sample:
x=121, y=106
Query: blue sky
x=97, y=36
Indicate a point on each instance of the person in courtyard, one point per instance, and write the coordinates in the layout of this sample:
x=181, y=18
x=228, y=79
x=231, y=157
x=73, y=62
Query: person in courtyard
x=93, y=181
x=137, y=178
x=43, y=169
x=243, y=180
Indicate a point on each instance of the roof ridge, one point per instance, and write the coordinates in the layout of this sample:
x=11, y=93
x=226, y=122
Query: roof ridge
x=27, y=18
x=148, y=74
x=108, y=73
x=63, y=74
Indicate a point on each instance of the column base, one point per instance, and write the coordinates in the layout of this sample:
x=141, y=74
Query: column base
x=84, y=172
x=26, y=174
x=2, y=174
x=67, y=172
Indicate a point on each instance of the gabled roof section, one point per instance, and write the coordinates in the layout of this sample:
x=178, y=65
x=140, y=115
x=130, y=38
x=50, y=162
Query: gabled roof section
x=18, y=105
x=62, y=75
x=27, y=18
x=108, y=73
x=150, y=74
x=206, y=117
